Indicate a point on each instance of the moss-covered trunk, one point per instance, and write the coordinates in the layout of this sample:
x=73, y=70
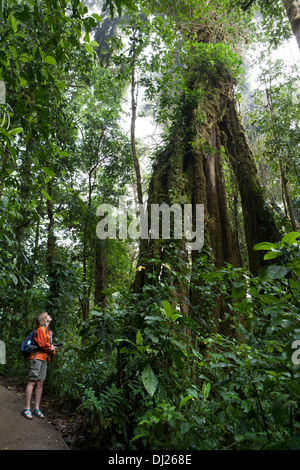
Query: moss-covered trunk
x=190, y=171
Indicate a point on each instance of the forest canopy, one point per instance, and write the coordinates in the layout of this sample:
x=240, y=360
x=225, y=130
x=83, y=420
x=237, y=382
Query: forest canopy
x=112, y=110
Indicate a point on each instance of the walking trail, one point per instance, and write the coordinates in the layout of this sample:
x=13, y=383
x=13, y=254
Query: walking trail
x=18, y=433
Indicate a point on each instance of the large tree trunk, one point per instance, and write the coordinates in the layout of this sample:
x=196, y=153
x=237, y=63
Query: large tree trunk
x=190, y=169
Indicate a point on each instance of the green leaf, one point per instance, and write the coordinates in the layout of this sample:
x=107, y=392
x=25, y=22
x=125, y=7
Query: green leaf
x=277, y=272
x=16, y=130
x=205, y=390
x=97, y=17
x=48, y=171
x=264, y=246
x=96, y=313
x=174, y=317
x=61, y=85
x=88, y=48
x=138, y=436
x=167, y=308
x=24, y=58
x=184, y=400
x=149, y=380
x=13, y=23
x=272, y=255
x=50, y=60
x=4, y=132
x=46, y=195
x=139, y=339
x=13, y=51
x=268, y=299
x=289, y=238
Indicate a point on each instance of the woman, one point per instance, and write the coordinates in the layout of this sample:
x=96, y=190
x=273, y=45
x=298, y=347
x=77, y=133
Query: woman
x=38, y=360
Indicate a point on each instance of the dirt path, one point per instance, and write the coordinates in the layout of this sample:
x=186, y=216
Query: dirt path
x=18, y=433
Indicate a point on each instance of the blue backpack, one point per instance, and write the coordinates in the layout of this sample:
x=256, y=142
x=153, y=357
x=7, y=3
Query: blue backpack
x=27, y=346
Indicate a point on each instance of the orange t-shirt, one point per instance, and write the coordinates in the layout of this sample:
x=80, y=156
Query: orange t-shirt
x=42, y=338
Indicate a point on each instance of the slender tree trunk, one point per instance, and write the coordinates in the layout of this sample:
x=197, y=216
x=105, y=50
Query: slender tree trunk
x=286, y=196
x=284, y=181
x=50, y=255
x=84, y=301
x=100, y=274
x=262, y=175
x=88, y=274
x=3, y=166
x=133, y=125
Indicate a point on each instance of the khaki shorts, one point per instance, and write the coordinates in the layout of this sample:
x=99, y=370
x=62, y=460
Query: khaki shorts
x=37, y=369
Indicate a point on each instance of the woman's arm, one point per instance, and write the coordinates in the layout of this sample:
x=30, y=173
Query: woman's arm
x=42, y=341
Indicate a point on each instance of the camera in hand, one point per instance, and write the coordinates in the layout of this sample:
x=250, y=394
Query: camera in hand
x=34, y=347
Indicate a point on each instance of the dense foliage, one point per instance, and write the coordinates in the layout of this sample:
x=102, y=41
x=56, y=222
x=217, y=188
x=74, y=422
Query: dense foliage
x=154, y=368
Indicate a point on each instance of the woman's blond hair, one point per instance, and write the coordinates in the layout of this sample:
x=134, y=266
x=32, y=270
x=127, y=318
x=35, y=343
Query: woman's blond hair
x=40, y=319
